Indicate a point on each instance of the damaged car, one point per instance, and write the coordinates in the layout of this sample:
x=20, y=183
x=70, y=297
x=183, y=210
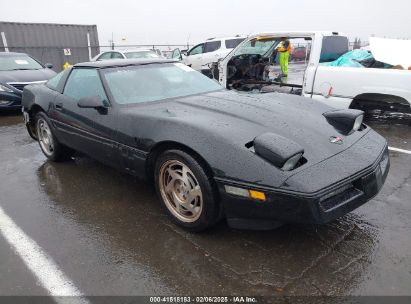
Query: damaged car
x=320, y=67
x=255, y=160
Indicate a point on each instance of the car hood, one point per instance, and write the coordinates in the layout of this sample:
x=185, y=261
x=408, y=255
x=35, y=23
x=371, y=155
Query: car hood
x=26, y=75
x=239, y=118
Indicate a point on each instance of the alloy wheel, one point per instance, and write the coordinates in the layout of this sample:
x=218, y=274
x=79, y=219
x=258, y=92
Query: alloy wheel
x=180, y=191
x=45, y=137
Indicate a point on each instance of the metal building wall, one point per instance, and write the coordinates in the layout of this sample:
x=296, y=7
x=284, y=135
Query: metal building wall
x=46, y=42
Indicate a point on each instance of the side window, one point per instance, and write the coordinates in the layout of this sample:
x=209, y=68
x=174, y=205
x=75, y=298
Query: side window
x=105, y=56
x=54, y=82
x=212, y=46
x=199, y=49
x=333, y=47
x=84, y=83
x=116, y=55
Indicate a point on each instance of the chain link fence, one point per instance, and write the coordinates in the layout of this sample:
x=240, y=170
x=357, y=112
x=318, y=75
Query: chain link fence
x=66, y=54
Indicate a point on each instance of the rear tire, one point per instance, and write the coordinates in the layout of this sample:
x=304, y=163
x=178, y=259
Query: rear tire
x=186, y=191
x=49, y=145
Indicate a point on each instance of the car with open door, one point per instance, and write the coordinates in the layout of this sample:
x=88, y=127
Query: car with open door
x=256, y=161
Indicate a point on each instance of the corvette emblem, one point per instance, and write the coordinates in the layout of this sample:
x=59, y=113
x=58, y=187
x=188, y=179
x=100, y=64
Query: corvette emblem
x=336, y=140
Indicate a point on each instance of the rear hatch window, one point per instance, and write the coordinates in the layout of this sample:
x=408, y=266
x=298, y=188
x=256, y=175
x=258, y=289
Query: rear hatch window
x=233, y=43
x=212, y=46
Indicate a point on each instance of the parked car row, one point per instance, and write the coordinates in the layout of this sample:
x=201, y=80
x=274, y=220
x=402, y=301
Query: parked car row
x=13, y=82
x=250, y=64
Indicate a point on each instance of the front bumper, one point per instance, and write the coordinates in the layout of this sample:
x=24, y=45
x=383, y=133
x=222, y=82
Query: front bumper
x=10, y=101
x=316, y=208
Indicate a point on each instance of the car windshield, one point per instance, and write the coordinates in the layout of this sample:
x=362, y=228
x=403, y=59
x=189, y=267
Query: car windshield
x=135, y=84
x=141, y=54
x=258, y=45
x=18, y=62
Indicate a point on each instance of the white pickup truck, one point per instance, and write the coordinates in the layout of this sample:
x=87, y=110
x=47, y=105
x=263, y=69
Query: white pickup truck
x=252, y=66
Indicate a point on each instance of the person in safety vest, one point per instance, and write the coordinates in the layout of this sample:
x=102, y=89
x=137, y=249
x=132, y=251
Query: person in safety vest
x=284, y=51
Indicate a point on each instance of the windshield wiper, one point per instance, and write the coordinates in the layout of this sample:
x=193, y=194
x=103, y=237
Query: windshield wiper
x=22, y=69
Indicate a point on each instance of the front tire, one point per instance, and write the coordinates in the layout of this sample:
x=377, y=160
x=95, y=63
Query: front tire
x=49, y=145
x=186, y=191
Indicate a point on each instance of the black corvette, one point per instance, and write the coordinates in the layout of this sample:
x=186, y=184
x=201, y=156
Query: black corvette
x=257, y=161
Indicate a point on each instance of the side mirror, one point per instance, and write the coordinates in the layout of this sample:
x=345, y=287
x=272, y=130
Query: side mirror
x=48, y=65
x=91, y=102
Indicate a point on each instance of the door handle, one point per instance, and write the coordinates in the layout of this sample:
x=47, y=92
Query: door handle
x=59, y=106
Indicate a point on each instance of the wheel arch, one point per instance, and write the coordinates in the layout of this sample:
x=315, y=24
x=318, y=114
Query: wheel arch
x=366, y=101
x=34, y=109
x=160, y=147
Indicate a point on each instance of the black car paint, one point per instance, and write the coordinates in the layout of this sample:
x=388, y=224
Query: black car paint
x=20, y=76
x=216, y=126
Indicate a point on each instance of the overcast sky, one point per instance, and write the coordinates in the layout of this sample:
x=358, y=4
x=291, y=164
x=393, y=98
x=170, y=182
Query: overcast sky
x=175, y=22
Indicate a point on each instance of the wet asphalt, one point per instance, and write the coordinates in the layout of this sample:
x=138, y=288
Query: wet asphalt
x=107, y=233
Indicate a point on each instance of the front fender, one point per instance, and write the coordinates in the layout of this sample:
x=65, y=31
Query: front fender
x=227, y=158
x=37, y=95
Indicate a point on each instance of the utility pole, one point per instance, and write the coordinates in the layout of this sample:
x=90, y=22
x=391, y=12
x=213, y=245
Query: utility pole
x=111, y=42
x=188, y=41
